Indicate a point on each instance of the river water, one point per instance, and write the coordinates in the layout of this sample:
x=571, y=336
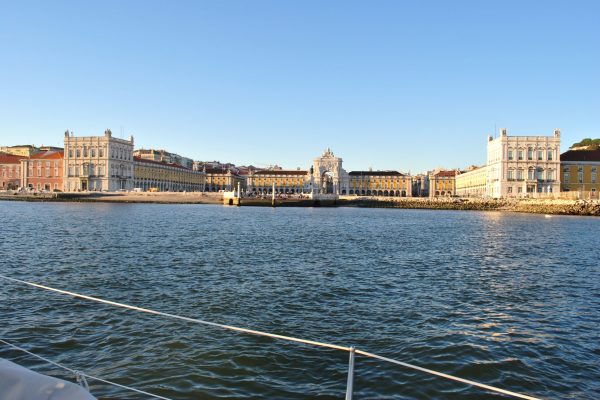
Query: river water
x=510, y=300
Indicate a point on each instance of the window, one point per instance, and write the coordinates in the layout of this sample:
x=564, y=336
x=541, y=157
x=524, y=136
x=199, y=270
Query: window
x=510, y=189
x=510, y=155
x=85, y=151
x=530, y=174
x=510, y=175
x=520, y=189
x=39, y=171
x=550, y=175
x=530, y=153
x=70, y=153
x=549, y=155
x=594, y=175
x=540, y=174
x=93, y=151
x=47, y=172
x=567, y=176
x=520, y=155
x=540, y=155
x=101, y=152
x=580, y=176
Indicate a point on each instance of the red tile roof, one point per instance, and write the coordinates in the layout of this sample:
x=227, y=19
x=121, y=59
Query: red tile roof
x=375, y=173
x=6, y=158
x=281, y=172
x=49, y=155
x=580, y=155
x=446, y=173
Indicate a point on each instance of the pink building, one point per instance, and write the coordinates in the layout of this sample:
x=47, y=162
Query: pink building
x=43, y=171
x=10, y=171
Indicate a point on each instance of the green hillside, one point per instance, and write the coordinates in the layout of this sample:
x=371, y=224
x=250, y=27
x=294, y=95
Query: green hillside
x=592, y=144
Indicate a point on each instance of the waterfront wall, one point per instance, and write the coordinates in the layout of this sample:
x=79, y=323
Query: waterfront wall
x=536, y=206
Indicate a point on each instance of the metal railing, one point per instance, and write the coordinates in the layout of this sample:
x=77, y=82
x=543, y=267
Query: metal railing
x=350, y=349
x=81, y=377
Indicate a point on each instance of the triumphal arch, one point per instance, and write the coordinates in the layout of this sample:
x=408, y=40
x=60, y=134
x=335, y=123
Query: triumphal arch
x=327, y=174
x=326, y=179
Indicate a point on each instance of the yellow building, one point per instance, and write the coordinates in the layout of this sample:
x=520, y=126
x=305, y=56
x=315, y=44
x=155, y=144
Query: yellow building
x=327, y=177
x=158, y=176
x=442, y=183
x=472, y=182
x=379, y=183
x=285, y=181
x=579, y=172
x=222, y=180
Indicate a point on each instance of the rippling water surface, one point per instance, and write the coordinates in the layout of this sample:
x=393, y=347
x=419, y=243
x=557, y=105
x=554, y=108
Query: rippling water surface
x=507, y=299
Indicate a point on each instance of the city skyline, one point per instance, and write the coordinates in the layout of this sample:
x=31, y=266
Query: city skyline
x=400, y=86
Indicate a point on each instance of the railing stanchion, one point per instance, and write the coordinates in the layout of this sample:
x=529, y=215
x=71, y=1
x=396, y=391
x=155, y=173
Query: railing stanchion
x=350, y=384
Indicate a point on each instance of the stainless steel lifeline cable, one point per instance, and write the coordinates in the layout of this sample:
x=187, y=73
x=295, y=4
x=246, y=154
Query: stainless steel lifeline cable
x=350, y=349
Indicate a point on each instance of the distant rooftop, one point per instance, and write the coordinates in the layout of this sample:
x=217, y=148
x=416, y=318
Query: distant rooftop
x=281, y=172
x=581, y=155
x=375, y=173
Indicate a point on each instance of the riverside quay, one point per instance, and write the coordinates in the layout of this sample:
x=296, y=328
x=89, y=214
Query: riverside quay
x=517, y=166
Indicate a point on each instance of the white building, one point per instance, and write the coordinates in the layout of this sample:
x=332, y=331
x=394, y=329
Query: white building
x=523, y=165
x=98, y=163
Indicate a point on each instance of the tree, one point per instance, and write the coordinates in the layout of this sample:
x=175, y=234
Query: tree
x=590, y=144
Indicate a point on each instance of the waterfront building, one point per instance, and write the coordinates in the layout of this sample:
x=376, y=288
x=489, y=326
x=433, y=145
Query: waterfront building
x=43, y=171
x=98, y=163
x=25, y=150
x=442, y=183
x=326, y=176
x=162, y=176
x=222, y=180
x=472, y=182
x=523, y=165
x=579, y=172
x=420, y=185
x=379, y=183
x=10, y=171
x=285, y=181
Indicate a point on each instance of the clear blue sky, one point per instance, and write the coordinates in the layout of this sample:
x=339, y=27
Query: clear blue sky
x=386, y=84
